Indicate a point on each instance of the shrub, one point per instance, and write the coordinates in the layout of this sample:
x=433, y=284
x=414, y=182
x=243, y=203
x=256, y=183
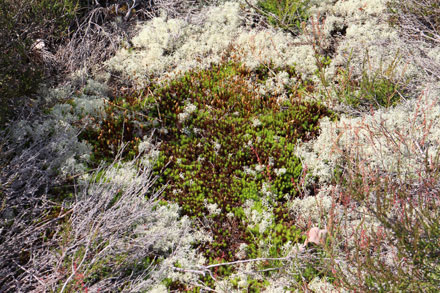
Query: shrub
x=39, y=161
x=417, y=17
x=110, y=232
x=401, y=251
x=117, y=222
x=22, y=64
x=419, y=27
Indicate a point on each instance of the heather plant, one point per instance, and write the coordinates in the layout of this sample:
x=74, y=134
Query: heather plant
x=417, y=117
x=24, y=59
x=418, y=25
x=44, y=19
x=142, y=251
x=398, y=252
x=40, y=159
x=417, y=15
x=385, y=204
x=109, y=223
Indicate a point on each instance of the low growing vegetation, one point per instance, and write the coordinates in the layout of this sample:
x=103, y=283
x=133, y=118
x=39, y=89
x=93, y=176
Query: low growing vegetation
x=225, y=146
x=22, y=23
x=395, y=247
x=220, y=142
x=287, y=14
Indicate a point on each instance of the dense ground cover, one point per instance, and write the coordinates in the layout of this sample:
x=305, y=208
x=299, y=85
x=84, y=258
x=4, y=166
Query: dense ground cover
x=224, y=146
x=220, y=140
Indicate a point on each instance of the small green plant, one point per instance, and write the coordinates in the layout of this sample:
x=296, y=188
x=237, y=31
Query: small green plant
x=402, y=253
x=287, y=14
x=379, y=88
x=119, y=124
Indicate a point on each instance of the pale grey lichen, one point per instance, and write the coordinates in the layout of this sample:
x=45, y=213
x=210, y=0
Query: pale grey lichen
x=319, y=285
x=187, y=111
x=171, y=46
x=280, y=171
x=312, y=210
x=393, y=140
x=262, y=218
x=212, y=208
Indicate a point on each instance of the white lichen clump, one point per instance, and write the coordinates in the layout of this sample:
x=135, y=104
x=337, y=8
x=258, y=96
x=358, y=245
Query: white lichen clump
x=166, y=47
x=187, y=111
x=213, y=208
x=280, y=171
x=68, y=154
x=261, y=218
x=369, y=38
x=312, y=210
x=172, y=233
x=393, y=140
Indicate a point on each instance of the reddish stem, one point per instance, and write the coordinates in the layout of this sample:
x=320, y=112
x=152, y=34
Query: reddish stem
x=259, y=162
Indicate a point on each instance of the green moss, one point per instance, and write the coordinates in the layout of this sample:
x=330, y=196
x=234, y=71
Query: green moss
x=220, y=141
x=121, y=123
x=214, y=155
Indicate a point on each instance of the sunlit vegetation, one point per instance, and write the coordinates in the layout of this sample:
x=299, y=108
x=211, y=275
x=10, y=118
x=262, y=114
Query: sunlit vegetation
x=154, y=172
x=21, y=64
x=220, y=141
x=287, y=14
